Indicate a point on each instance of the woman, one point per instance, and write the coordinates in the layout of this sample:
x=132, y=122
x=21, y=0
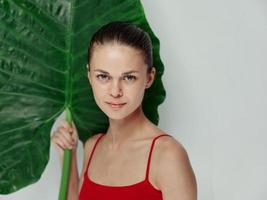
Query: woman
x=134, y=159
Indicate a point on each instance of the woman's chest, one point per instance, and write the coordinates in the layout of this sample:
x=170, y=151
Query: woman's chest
x=120, y=168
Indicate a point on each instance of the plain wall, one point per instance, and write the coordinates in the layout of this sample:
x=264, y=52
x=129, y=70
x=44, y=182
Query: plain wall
x=215, y=77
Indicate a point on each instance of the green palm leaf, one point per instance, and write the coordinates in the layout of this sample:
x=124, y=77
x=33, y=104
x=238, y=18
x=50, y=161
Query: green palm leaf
x=43, y=55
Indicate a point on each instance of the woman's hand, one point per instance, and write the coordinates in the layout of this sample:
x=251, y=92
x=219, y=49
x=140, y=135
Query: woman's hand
x=65, y=137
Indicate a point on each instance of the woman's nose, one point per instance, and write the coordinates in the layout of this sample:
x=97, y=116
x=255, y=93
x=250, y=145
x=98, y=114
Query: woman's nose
x=116, y=89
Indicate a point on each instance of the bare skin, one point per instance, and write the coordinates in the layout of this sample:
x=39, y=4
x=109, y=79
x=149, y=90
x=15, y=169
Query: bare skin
x=125, y=146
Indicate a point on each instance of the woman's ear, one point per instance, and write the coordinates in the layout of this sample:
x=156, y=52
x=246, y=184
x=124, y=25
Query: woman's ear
x=88, y=73
x=151, y=77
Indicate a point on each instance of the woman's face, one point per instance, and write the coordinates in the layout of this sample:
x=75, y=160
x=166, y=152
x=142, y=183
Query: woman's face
x=118, y=74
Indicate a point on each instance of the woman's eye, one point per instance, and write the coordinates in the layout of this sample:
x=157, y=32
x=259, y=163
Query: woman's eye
x=130, y=77
x=102, y=76
x=105, y=77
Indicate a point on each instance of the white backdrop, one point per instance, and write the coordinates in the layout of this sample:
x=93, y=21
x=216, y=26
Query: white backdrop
x=216, y=82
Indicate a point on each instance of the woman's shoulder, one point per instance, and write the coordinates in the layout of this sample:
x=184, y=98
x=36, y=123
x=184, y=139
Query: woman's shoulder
x=166, y=144
x=90, y=142
x=169, y=145
x=174, y=169
x=168, y=148
x=171, y=158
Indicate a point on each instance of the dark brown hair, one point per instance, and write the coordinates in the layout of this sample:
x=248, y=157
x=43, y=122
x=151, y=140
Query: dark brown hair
x=123, y=33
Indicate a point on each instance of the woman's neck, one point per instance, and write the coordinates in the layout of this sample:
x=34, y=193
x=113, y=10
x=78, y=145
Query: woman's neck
x=122, y=131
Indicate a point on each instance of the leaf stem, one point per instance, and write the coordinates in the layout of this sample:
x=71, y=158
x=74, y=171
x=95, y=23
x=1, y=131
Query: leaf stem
x=66, y=166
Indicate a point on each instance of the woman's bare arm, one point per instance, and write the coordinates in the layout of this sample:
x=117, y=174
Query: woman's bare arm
x=175, y=175
x=66, y=137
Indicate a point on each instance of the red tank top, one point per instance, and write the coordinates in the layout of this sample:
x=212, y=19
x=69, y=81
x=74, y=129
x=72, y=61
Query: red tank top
x=143, y=190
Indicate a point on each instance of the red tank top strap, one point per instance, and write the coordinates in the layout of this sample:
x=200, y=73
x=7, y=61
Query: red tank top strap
x=150, y=153
x=92, y=152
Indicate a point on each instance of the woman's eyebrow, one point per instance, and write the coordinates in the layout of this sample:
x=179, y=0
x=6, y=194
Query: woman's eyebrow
x=105, y=72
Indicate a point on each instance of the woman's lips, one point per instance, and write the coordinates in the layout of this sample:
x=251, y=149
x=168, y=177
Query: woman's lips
x=116, y=105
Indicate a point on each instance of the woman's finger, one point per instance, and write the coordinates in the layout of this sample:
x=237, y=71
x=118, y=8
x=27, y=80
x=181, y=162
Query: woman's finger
x=66, y=134
x=59, y=144
x=66, y=125
x=60, y=138
x=71, y=127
